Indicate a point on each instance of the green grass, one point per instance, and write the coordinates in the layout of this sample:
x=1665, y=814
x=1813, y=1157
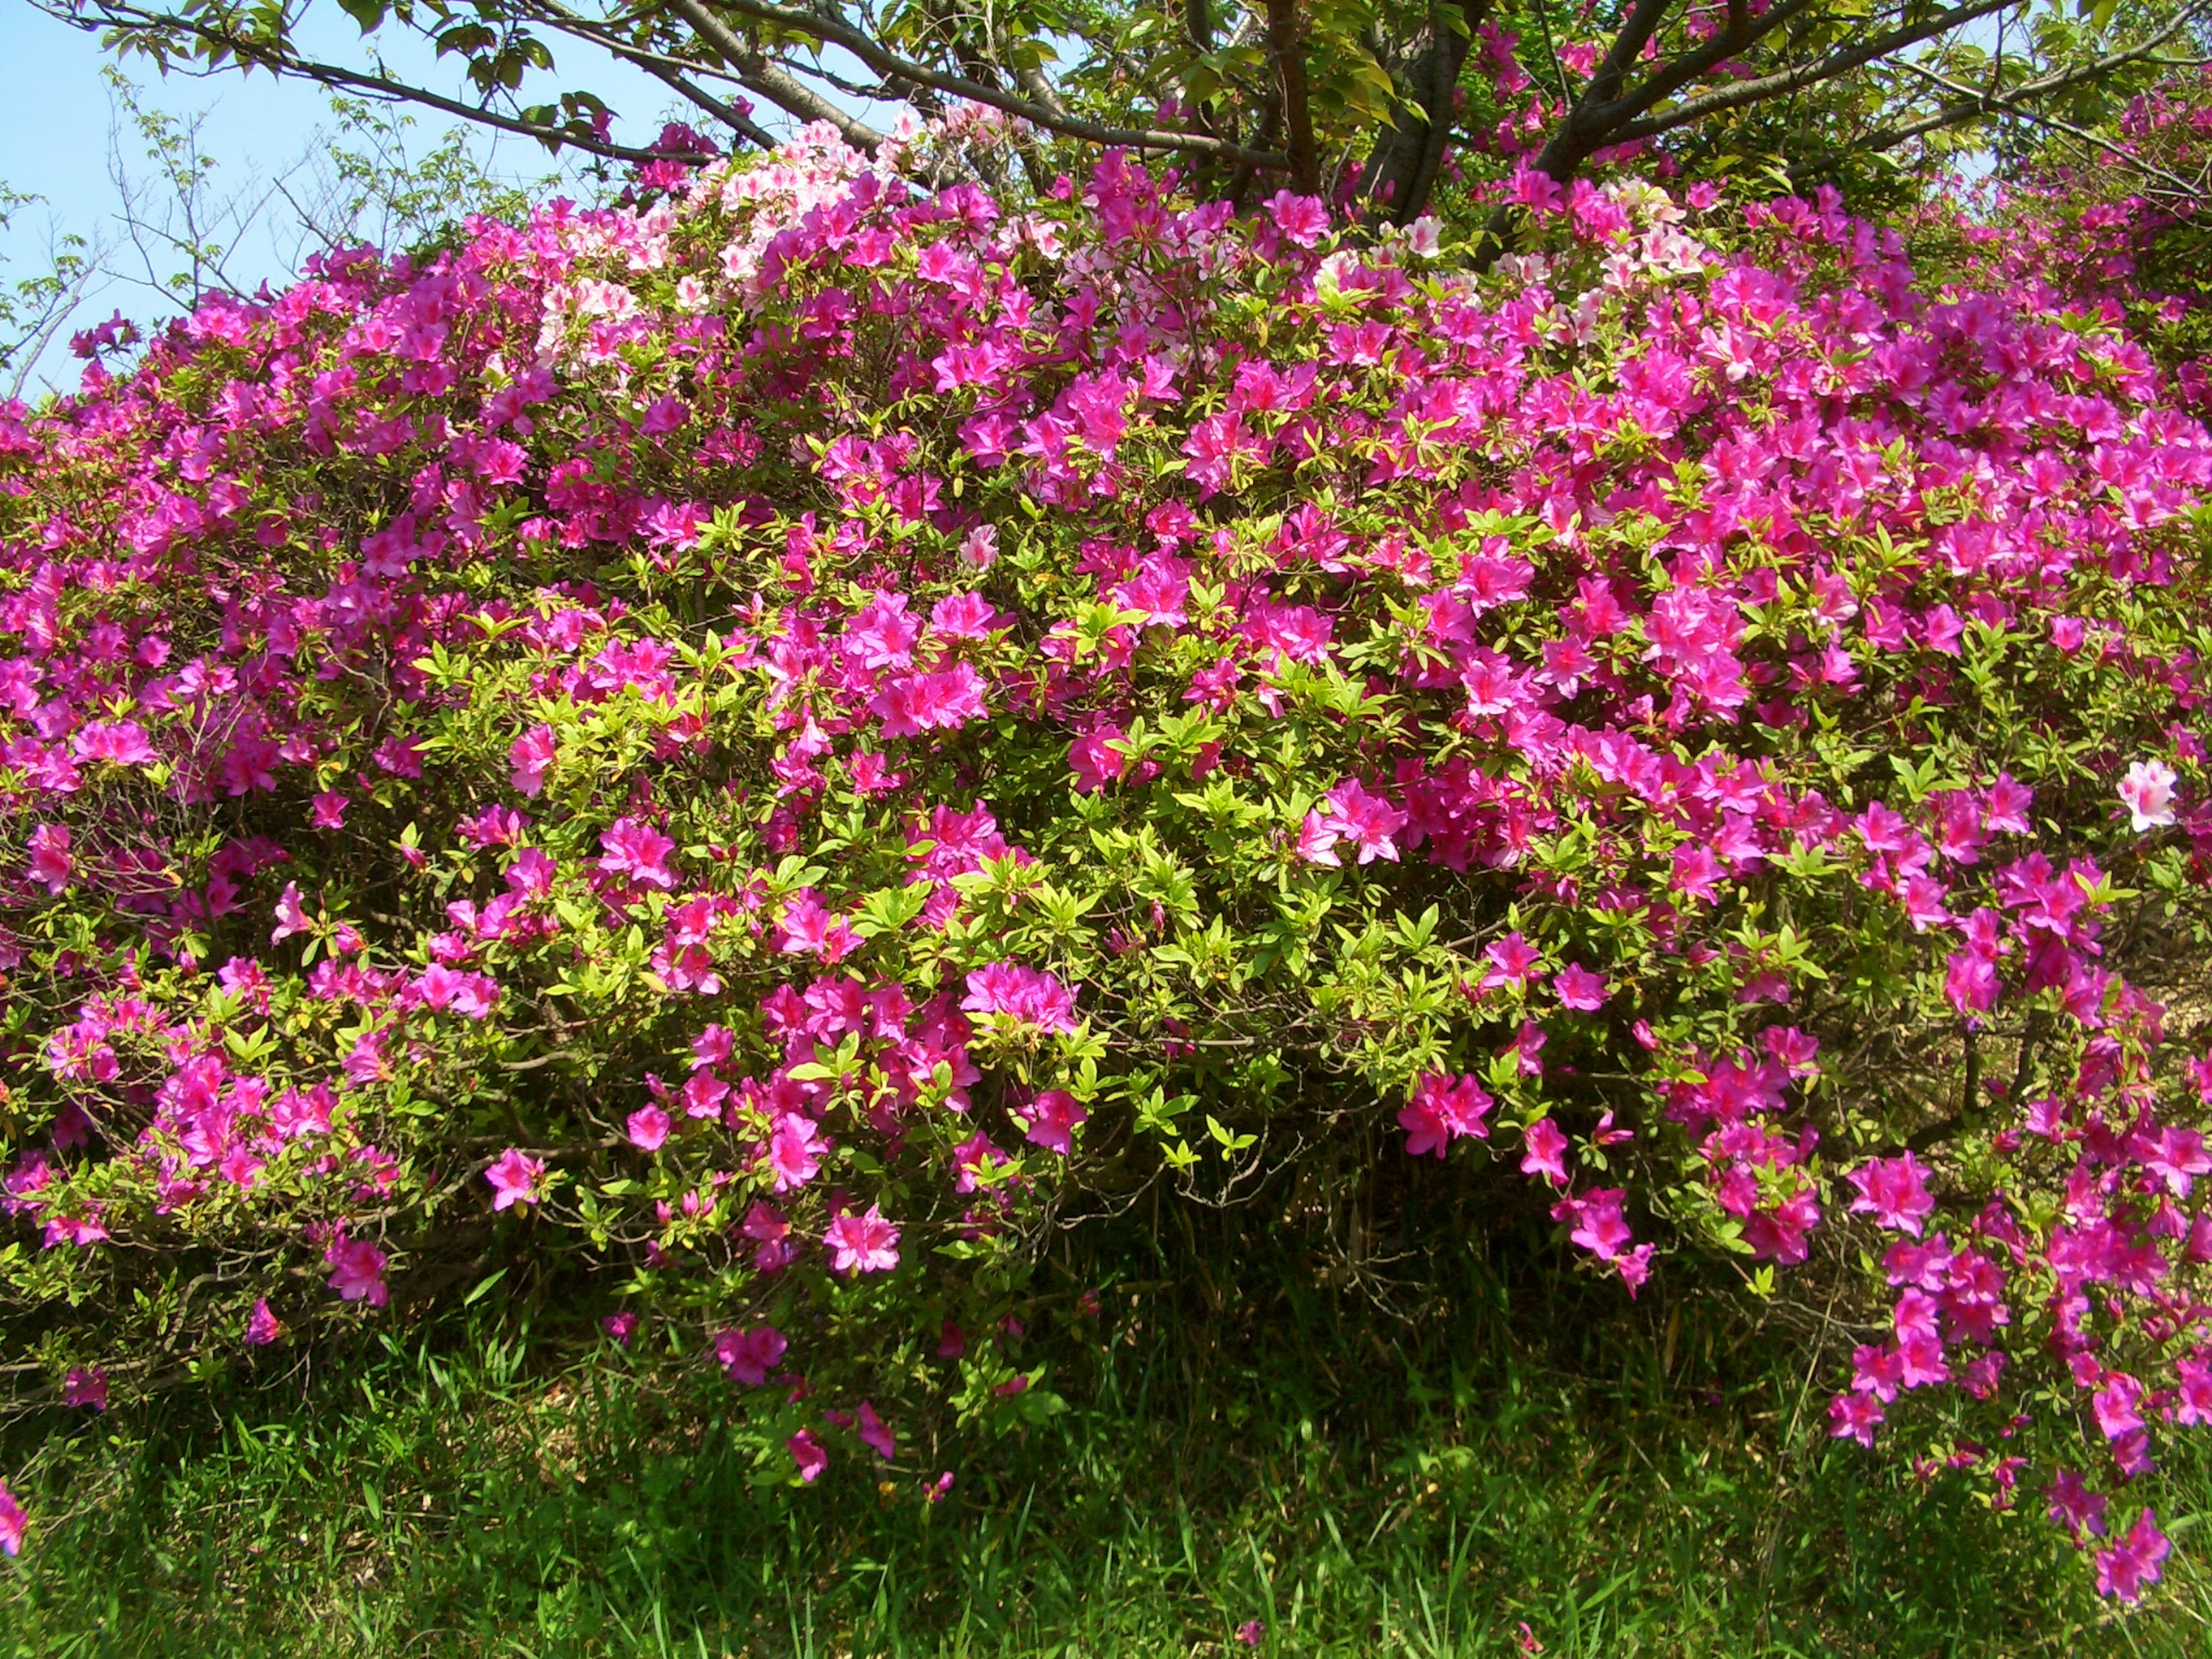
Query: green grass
x=1364, y=1484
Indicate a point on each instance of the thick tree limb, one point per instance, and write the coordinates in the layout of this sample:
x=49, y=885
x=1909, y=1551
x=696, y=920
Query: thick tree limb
x=773, y=82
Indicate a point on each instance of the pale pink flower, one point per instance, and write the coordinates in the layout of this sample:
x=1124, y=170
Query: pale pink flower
x=2148, y=794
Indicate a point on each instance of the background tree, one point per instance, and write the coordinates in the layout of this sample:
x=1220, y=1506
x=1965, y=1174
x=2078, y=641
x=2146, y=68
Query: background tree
x=1387, y=97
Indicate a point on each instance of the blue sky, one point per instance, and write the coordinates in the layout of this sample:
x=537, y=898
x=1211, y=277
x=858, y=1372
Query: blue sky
x=55, y=118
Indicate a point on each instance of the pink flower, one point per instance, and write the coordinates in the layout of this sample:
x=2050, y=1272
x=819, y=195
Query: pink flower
x=864, y=1243
x=1317, y=842
x=794, y=1150
x=329, y=810
x=1094, y=760
x=2148, y=794
x=620, y=1326
x=1579, y=988
x=1051, y=1121
x=806, y=1451
x=1026, y=993
x=1855, y=1417
x=1892, y=1191
x=86, y=1386
x=647, y=1128
x=750, y=1355
x=531, y=755
x=928, y=702
x=262, y=1327
x=1368, y=820
x=122, y=743
x=1303, y=219
x=13, y=1520
x=515, y=1178
x=1546, y=1152
x=51, y=862
x=1442, y=1109
x=639, y=852
x=2074, y=1507
x=1512, y=960
x=358, y=1272
x=876, y=1433
x=2135, y=1561
x=1251, y=1632
x=290, y=917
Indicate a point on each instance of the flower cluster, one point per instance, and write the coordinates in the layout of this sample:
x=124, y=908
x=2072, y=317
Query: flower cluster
x=765, y=735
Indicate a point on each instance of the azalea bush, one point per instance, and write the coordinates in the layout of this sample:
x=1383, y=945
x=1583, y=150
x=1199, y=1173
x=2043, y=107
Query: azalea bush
x=769, y=749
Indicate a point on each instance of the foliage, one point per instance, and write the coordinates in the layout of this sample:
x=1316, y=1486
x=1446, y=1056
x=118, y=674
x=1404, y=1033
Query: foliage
x=779, y=748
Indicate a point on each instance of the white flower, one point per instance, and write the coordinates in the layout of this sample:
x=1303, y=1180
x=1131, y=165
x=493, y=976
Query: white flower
x=2148, y=794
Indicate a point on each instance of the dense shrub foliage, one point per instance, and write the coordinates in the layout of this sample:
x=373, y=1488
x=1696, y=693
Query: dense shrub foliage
x=787, y=742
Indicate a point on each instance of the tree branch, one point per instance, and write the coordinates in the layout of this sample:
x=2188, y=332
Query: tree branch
x=804, y=20
x=1974, y=103
x=1801, y=76
x=1289, y=52
x=259, y=54
x=773, y=82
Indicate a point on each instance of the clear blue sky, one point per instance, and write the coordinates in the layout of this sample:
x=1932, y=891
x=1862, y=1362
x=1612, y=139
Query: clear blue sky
x=55, y=118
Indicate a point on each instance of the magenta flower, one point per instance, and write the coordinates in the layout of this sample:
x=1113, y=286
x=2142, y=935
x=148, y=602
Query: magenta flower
x=620, y=1326
x=515, y=1178
x=291, y=918
x=865, y=1243
x=1251, y=1632
x=1443, y=1109
x=1303, y=219
x=647, y=1128
x=750, y=1355
x=1094, y=760
x=1512, y=960
x=329, y=811
x=795, y=1149
x=1545, y=1152
x=358, y=1272
x=87, y=1387
x=638, y=851
x=1052, y=1120
x=1369, y=821
x=1026, y=993
x=1579, y=988
x=262, y=1327
x=13, y=1520
x=876, y=1433
x=120, y=743
x=2074, y=1507
x=806, y=1451
x=51, y=862
x=531, y=756
x=1317, y=842
x=1894, y=1191
x=2135, y=1561
x=1855, y=1417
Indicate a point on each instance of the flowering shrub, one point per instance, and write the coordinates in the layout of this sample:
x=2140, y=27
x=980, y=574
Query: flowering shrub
x=771, y=740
